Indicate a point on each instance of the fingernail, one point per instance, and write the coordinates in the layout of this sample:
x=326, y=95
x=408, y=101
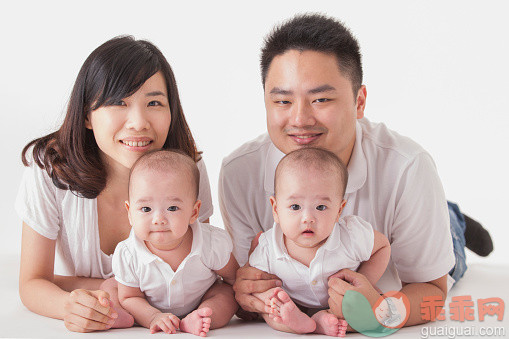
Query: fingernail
x=279, y=283
x=114, y=315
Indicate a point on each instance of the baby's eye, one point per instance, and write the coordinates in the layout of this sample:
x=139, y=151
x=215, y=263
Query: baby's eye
x=155, y=103
x=146, y=209
x=173, y=208
x=295, y=207
x=321, y=207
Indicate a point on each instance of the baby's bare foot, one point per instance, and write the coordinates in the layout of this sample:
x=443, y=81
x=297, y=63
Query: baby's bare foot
x=328, y=324
x=197, y=322
x=124, y=319
x=286, y=312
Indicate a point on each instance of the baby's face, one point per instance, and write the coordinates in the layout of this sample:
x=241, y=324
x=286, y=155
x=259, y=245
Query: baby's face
x=307, y=205
x=161, y=206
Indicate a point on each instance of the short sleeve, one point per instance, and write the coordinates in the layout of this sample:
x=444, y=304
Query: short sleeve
x=217, y=254
x=36, y=202
x=360, y=237
x=421, y=243
x=260, y=257
x=204, y=193
x=124, y=267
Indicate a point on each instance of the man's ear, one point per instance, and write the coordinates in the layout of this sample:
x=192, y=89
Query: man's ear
x=274, y=209
x=343, y=203
x=196, y=211
x=362, y=94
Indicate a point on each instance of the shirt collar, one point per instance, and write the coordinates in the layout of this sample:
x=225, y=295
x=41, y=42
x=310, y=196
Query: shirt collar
x=274, y=155
x=147, y=257
x=357, y=167
x=332, y=243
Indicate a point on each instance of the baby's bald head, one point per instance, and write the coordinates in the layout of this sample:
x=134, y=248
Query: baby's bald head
x=166, y=161
x=315, y=161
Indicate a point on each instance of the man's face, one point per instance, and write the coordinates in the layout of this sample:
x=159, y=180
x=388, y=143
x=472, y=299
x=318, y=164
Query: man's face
x=310, y=103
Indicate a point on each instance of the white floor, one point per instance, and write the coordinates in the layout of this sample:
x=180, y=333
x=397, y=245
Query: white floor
x=480, y=281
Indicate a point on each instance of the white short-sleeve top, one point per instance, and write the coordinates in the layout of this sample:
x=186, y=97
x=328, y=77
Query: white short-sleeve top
x=392, y=183
x=349, y=244
x=181, y=291
x=72, y=221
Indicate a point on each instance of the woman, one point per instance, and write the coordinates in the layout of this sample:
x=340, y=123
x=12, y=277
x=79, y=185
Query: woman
x=124, y=103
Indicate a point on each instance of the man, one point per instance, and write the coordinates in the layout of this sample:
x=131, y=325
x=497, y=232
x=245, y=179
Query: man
x=312, y=77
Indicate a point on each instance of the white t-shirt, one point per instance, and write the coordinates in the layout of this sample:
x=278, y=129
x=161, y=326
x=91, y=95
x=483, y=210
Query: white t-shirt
x=350, y=243
x=178, y=292
x=60, y=214
x=393, y=184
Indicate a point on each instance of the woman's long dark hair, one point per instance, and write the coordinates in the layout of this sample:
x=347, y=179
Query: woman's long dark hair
x=113, y=71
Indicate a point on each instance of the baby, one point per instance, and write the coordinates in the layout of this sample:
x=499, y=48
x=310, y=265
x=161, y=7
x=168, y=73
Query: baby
x=309, y=243
x=171, y=259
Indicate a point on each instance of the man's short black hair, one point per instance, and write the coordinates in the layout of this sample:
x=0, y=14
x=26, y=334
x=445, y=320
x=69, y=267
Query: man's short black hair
x=315, y=32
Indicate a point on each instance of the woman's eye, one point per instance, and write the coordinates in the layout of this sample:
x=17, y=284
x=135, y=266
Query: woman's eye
x=295, y=207
x=155, y=103
x=321, y=207
x=146, y=209
x=173, y=208
x=119, y=103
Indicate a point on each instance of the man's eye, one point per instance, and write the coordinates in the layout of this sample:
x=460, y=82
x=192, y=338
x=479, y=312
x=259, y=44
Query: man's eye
x=173, y=208
x=155, y=103
x=295, y=207
x=322, y=100
x=283, y=102
x=146, y=209
x=321, y=207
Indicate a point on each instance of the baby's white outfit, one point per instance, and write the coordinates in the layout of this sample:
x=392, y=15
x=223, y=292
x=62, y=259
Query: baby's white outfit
x=350, y=243
x=71, y=220
x=177, y=292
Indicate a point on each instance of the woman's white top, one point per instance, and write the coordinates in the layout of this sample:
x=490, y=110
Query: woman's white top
x=178, y=292
x=71, y=220
x=350, y=243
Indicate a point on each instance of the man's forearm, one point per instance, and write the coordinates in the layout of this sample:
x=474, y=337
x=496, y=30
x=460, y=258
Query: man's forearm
x=416, y=293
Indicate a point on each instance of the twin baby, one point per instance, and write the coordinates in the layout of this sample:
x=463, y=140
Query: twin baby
x=170, y=259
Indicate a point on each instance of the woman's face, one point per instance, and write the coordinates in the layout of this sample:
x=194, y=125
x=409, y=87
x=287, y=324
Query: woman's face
x=132, y=126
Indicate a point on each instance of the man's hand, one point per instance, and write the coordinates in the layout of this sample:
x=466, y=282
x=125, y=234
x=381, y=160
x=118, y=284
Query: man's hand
x=251, y=280
x=346, y=280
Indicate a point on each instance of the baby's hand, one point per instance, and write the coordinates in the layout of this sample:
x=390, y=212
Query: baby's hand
x=166, y=322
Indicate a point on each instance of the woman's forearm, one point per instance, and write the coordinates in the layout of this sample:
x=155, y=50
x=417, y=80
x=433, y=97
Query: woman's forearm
x=72, y=283
x=43, y=297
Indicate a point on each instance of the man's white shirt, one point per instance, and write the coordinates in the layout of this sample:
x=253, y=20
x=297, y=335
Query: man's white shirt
x=393, y=185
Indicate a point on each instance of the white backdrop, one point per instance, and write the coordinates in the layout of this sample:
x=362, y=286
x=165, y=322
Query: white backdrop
x=435, y=71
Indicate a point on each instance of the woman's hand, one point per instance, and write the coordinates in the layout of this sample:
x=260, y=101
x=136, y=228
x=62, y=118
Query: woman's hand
x=87, y=311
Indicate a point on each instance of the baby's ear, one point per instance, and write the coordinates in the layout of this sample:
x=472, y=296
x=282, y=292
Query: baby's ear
x=274, y=209
x=127, y=207
x=196, y=212
x=343, y=203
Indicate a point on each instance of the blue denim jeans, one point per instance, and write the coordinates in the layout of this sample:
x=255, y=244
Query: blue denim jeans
x=458, y=241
